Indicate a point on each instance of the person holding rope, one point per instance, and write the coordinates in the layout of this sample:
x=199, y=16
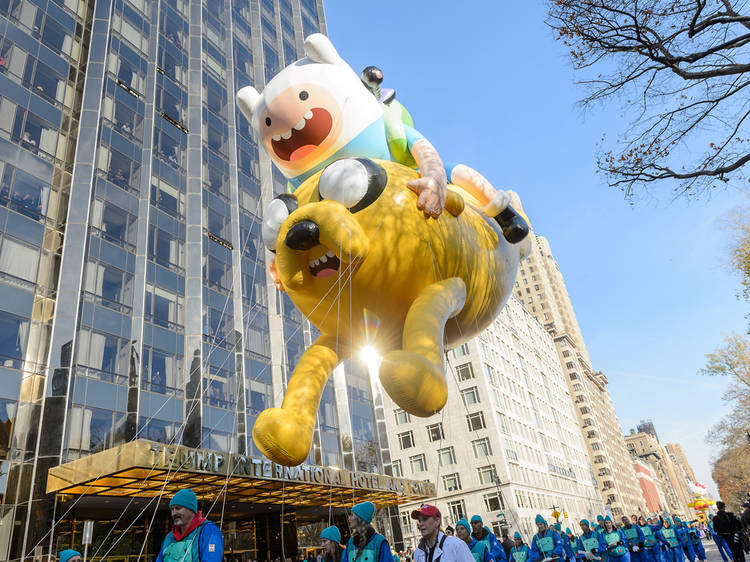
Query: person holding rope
x=366, y=545
x=193, y=537
x=70, y=555
x=651, y=549
x=590, y=545
x=330, y=540
x=519, y=552
x=435, y=545
x=635, y=539
x=682, y=535
x=668, y=537
x=617, y=549
x=483, y=534
x=478, y=549
x=546, y=545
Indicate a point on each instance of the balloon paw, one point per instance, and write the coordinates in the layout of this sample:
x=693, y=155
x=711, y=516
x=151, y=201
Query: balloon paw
x=282, y=437
x=414, y=383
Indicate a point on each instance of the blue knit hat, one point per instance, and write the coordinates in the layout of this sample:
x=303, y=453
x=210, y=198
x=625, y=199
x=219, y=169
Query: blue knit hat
x=608, y=518
x=586, y=522
x=331, y=533
x=517, y=535
x=677, y=519
x=600, y=517
x=476, y=518
x=66, y=555
x=365, y=511
x=464, y=523
x=557, y=527
x=540, y=519
x=568, y=531
x=185, y=498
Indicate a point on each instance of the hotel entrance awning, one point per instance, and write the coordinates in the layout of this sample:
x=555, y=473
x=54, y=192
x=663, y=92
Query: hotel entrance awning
x=145, y=469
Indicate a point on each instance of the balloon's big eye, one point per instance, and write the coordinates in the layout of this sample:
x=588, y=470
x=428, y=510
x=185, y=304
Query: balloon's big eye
x=303, y=95
x=273, y=217
x=268, y=121
x=354, y=182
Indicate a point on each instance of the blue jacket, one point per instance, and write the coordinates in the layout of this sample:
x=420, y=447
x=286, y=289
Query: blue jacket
x=637, y=540
x=567, y=549
x=384, y=554
x=623, y=539
x=208, y=548
x=600, y=549
x=557, y=549
x=685, y=542
x=497, y=553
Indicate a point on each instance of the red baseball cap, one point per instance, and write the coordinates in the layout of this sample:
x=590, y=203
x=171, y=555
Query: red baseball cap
x=426, y=509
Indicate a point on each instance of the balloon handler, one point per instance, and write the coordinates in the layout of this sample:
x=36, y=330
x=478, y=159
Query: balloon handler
x=352, y=245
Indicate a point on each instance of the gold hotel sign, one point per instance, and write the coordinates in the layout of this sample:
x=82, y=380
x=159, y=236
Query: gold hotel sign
x=146, y=469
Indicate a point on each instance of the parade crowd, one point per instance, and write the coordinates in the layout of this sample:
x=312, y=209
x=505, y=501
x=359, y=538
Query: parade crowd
x=194, y=538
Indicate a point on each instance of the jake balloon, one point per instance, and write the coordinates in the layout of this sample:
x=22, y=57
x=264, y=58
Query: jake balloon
x=362, y=240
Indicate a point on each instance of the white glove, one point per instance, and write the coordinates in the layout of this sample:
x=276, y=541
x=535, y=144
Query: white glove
x=635, y=548
x=547, y=559
x=589, y=556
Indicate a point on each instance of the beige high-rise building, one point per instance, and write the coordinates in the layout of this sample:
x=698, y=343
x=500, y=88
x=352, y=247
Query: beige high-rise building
x=680, y=458
x=506, y=446
x=647, y=447
x=541, y=289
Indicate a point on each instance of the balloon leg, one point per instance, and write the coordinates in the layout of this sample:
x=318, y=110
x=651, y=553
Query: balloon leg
x=413, y=376
x=284, y=435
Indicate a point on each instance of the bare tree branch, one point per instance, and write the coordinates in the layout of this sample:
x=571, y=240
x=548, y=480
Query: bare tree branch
x=684, y=61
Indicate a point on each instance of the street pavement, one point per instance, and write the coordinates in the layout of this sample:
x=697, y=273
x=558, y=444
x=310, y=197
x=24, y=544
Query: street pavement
x=712, y=552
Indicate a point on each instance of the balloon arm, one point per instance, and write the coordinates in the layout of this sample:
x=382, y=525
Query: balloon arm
x=284, y=434
x=432, y=185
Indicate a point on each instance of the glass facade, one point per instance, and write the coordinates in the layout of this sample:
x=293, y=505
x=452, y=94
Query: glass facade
x=134, y=300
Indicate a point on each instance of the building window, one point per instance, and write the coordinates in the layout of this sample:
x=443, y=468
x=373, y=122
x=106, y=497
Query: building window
x=566, y=353
x=470, y=396
x=487, y=474
x=494, y=501
x=481, y=447
x=595, y=446
x=501, y=421
x=447, y=456
x=435, y=432
x=476, y=421
x=461, y=351
x=406, y=520
x=457, y=509
x=465, y=372
x=396, y=468
x=402, y=417
x=451, y=482
x=406, y=439
x=418, y=463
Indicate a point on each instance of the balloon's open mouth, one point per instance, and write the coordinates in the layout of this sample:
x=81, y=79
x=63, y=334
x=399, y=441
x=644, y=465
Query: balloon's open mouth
x=304, y=137
x=326, y=265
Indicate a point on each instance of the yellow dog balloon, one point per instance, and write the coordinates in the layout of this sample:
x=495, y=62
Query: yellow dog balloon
x=350, y=243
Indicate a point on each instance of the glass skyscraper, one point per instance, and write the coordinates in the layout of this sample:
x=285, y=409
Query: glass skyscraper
x=134, y=300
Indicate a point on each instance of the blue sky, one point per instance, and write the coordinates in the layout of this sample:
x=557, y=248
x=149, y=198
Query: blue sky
x=650, y=283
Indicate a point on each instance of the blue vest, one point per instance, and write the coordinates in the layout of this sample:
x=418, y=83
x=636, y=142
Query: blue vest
x=649, y=541
x=173, y=550
x=369, y=553
x=477, y=550
x=520, y=554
